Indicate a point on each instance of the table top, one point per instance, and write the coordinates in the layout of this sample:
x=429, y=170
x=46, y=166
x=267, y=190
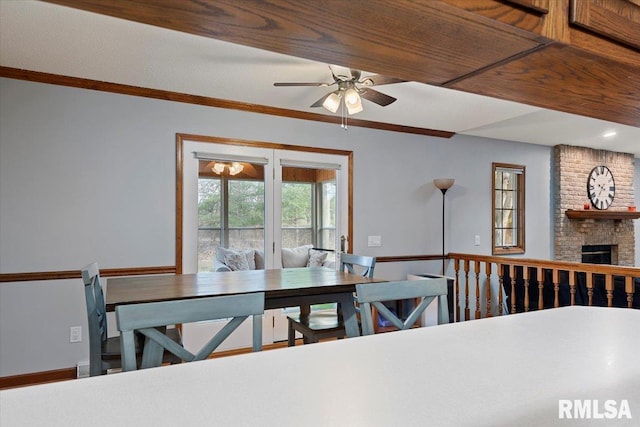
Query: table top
x=277, y=283
x=502, y=371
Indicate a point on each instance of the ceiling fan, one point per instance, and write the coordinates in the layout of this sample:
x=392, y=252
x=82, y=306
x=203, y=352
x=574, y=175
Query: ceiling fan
x=350, y=91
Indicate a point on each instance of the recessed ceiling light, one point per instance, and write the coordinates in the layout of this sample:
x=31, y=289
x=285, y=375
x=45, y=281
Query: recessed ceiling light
x=610, y=134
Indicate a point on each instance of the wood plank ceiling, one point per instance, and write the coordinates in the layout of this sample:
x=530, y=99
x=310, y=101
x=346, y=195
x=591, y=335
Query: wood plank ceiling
x=481, y=46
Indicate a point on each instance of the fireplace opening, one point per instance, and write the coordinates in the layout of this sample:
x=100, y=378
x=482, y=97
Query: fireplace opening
x=599, y=254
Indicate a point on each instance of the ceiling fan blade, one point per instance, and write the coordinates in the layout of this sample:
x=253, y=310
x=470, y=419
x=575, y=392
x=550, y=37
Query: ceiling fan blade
x=378, y=79
x=302, y=84
x=377, y=97
x=333, y=74
x=320, y=101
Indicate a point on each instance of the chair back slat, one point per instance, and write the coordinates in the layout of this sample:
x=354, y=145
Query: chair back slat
x=167, y=343
x=144, y=318
x=349, y=262
x=216, y=340
x=375, y=294
x=149, y=315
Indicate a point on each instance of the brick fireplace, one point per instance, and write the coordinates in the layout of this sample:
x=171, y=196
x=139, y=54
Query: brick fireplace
x=570, y=170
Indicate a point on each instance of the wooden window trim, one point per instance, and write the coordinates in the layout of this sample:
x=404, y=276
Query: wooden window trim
x=519, y=248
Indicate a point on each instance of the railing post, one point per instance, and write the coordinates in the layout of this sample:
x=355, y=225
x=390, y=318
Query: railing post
x=556, y=287
x=526, y=275
x=487, y=270
x=572, y=286
x=456, y=267
x=512, y=276
x=540, y=288
x=590, y=288
x=500, y=268
x=629, y=289
x=476, y=267
x=467, y=312
x=608, y=285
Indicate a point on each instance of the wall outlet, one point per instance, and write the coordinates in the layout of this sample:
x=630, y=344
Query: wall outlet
x=82, y=370
x=477, y=240
x=75, y=334
x=374, y=241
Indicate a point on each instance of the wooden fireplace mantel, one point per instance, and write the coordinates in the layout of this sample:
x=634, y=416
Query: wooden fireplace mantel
x=598, y=214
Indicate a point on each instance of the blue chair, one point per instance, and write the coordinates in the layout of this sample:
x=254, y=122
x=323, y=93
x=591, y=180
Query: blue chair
x=146, y=317
x=372, y=295
x=322, y=324
x=104, y=351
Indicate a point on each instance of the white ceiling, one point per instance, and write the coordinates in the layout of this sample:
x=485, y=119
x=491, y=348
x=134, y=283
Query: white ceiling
x=54, y=39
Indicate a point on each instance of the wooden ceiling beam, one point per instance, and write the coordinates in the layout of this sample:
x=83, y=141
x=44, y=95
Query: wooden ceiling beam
x=480, y=46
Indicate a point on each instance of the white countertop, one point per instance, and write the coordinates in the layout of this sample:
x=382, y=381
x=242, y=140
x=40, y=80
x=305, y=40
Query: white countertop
x=503, y=371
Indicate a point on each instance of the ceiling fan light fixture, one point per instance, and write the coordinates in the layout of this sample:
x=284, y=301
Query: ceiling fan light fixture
x=332, y=103
x=235, y=168
x=352, y=101
x=218, y=168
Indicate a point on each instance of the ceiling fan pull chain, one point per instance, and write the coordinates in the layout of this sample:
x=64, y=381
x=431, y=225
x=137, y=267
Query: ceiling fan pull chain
x=343, y=114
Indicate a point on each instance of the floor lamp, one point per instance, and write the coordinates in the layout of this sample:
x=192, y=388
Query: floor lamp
x=443, y=184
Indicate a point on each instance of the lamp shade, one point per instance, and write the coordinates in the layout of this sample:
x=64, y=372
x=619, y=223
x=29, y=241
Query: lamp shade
x=443, y=183
x=332, y=102
x=352, y=101
x=218, y=168
x=235, y=168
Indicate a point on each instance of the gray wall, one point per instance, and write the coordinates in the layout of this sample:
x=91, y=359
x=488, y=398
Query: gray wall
x=89, y=176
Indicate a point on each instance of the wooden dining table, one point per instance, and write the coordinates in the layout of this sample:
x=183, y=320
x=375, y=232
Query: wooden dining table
x=288, y=287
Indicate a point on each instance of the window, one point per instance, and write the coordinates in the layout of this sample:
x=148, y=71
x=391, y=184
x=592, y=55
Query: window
x=508, y=209
x=230, y=210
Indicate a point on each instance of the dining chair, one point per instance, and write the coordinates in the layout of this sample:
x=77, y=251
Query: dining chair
x=372, y=295
x=104, y=351
x=322, y=324
x=145, y=317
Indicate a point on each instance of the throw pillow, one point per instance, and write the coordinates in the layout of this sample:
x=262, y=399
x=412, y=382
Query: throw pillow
x=248, y=254
x=316, y=258
x=295, y=257
x=259, y=260
x=236, y=262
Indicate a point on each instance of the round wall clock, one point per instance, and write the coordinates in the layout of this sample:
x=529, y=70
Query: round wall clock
x=601, y=187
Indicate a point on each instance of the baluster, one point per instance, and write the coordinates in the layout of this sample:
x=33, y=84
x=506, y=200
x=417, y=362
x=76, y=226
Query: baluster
x=590, y=288
x=456, y=267
x=608, y=285
x=500, y=291
x=540, y=288
x=629, y=289
x=487, y=271
x=467, y=312
x=556, y=288
x=476, y=267
x=526, y=274
x=513, y=287
x=501, y=284
x=572, y=286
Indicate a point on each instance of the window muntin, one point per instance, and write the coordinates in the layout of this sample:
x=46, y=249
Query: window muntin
x=508, y=209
